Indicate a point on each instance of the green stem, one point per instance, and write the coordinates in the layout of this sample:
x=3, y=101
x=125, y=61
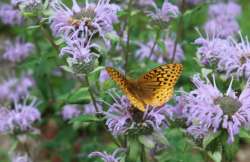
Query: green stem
x=49, y=38
x=143, y=153
x=127, y=50
x=180, y=30
x=91, y=93
x=154, y=45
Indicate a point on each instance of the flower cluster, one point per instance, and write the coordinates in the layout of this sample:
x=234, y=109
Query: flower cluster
x=77, y=26
x=228, y=55
x=10, y=15
x=123, y=118
x=107, y=157
x=152, y=51
x=208, y=109
x=166, y=13
x=17, y=51
x=19, y=118
x=15, y=88
x=222, y=20
x=95, y=18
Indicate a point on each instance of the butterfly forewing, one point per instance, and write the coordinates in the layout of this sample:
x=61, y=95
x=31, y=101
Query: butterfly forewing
x=157, y=85
x=126, y=86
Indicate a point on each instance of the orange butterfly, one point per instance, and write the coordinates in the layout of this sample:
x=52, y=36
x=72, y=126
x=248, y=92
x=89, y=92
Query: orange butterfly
x=154, y=88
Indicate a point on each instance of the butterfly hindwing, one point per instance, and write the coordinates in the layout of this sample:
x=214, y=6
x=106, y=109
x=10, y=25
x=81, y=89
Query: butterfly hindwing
x=125, y=86
x=158, y=84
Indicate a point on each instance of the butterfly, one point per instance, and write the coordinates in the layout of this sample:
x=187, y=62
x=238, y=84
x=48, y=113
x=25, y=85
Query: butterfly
x=154, y=88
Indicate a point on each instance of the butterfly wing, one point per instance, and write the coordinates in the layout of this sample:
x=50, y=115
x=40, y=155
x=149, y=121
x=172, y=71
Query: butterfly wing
x=125, y=86
x=157, y=86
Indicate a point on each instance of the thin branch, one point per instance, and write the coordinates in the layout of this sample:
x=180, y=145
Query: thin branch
x=127, y=50
x=179, y=32
x=49, y=38
x=91, y=94
x=154, y=45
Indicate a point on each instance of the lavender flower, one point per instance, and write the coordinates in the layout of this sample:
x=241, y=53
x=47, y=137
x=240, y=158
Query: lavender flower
x=107, y=157
x=9, y=15
x=237, y=62
x=98, y=17
x=123, y=118
x=211, y=49
x=81, y=58
x=166, y=13
x=231, y=9
x=222, y=26
x=18, y=157
x=17, y=51
x=14, y=88
x=208, y=108
x=70, y=111
x=223, y=19
x=228, y=55
x=159, y=55
x=20, y=118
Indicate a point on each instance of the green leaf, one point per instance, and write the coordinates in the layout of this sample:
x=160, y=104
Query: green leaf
x=80, y=95
x=77, y=96
x=209, y=138
x=113, y=37
x=99, y=68
x=205, y=72
x=147, y=141
x=216, y=156
x=34, y=27
x=85, y=118
x=67, y=68
x=158, y=136
x=244, y=134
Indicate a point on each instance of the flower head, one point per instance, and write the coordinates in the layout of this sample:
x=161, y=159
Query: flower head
x=166, y=13
x=223, y=26
x=17, y=51
x=107, y=157
x=70, y=111
x=237, y=62
x=123, y=118
x=14, y=88
x=10, y=15
x=20, y=118
x=98, y=18
x=208, y=108
x=212, y=48
x=229, y=55
x=230, y=9
x=79, y=50
x=222, y=20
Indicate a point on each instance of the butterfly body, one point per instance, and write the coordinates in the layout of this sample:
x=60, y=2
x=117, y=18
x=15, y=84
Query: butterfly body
x=154, y=88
